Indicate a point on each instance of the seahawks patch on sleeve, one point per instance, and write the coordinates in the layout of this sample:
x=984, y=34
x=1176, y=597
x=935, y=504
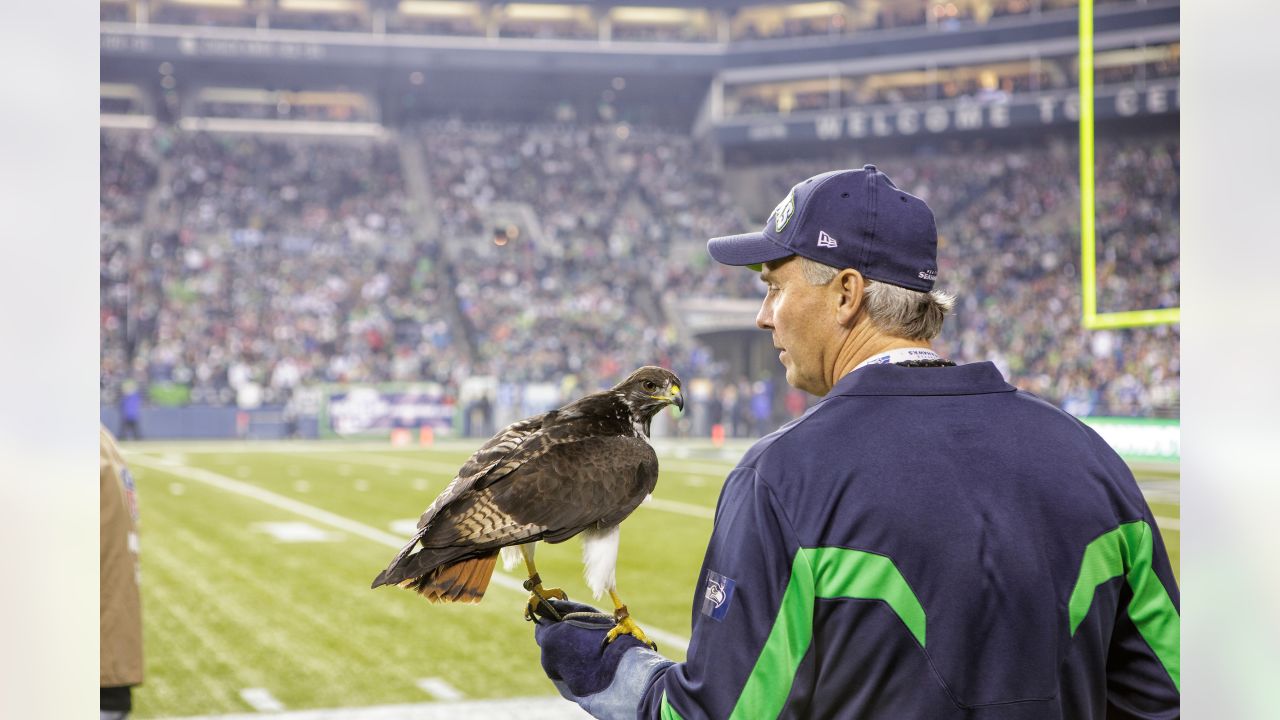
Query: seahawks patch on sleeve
x=715, y=601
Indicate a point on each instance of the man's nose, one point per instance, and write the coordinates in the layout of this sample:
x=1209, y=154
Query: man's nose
x=764, y=318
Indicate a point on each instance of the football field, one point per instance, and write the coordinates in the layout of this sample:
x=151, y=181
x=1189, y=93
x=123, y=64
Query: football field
x=257, y=559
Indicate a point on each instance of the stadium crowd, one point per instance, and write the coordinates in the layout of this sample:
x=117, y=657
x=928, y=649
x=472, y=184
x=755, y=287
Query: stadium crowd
x=256, y=266
x=1009, y=248
x=270, y=264
x=574, y=291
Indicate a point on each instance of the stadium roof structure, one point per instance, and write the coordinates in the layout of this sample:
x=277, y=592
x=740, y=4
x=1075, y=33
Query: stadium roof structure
x=695, y=84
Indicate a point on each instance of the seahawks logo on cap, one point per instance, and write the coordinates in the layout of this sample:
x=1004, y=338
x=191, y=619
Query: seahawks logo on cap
x=782, y=214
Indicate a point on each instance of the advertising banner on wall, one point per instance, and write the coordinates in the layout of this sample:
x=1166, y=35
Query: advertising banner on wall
x=939, y=117
x=376, y=410
x=1143, y=439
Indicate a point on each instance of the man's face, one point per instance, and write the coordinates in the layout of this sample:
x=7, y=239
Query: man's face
x=802, y=321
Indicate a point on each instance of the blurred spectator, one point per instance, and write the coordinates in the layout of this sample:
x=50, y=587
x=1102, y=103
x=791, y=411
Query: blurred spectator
x=761, y=407
x=130, y=411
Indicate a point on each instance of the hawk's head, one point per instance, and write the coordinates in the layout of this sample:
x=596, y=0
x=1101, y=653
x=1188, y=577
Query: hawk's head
x=648, y=390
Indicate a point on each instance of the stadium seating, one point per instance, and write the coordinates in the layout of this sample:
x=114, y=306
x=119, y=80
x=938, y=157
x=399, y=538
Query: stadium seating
x=282, y=262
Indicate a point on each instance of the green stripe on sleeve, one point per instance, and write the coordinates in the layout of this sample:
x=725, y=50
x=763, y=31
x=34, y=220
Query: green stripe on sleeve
x=668, y=712
x=820, y=573
x=1128, y=551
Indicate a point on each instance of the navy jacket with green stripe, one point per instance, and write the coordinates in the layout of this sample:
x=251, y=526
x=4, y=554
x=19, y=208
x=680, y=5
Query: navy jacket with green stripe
x=930, y=543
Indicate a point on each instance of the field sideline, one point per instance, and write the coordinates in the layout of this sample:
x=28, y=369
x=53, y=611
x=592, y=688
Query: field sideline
x=257, y=559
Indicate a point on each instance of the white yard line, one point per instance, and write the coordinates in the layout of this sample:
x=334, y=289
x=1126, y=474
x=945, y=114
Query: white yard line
x=222, y=482
x=1166, y=497
x=675, y=506
x=688, y=467
x=312, y=512
x=1169, y=523
x=440, y=690
x=532, y=708
x=261, y=700
x=390, y=462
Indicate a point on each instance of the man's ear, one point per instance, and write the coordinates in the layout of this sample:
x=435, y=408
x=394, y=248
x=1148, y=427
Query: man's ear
x=848, y=286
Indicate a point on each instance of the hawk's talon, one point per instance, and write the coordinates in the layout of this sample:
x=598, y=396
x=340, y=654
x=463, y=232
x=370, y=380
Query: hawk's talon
x=539, y=597
x=624, y=625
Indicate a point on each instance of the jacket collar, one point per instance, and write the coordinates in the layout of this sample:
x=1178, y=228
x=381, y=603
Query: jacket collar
x=977, y=378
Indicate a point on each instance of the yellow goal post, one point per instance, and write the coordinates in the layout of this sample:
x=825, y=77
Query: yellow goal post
x=1094, y=320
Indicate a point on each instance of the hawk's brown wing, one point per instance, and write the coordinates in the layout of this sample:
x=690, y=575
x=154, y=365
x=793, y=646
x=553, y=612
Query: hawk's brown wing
x=565, y=489
x=491, y=455
x=497, y=449
x=556, y=481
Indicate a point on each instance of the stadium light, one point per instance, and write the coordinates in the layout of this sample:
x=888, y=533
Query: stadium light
x=653, y=15
x=1094, y=320
x=438, y=8
x=231, y=4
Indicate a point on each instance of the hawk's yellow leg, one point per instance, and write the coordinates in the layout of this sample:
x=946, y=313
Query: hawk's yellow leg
x=624, y=624
x=538, y=594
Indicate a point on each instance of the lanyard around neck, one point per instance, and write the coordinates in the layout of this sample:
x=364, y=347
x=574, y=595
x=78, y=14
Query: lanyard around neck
x=898, y=355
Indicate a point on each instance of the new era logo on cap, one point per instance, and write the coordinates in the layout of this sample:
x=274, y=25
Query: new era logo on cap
x=825, y=240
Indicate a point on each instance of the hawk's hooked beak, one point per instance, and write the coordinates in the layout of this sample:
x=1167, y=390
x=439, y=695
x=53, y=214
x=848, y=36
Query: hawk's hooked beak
x=674, y=397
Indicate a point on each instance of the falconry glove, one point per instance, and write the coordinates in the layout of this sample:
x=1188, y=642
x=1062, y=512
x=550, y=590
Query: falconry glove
x=606, y=680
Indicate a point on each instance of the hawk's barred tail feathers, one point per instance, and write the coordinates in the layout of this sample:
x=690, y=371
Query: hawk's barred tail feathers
x=463, y=581
x=437, y=576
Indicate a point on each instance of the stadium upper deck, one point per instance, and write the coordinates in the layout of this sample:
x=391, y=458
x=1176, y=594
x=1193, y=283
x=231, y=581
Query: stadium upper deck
x=704, y=21
x=750, y=71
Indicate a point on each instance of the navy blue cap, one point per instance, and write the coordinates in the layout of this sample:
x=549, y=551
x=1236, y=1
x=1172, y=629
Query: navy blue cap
x=846, y=219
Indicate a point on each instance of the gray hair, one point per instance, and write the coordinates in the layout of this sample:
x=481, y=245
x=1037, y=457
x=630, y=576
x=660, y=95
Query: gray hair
x=897, y=311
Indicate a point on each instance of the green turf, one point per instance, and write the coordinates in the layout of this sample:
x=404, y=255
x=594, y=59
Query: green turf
x=229, y=607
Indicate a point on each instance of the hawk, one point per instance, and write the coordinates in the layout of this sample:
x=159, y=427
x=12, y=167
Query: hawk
x=580, y=469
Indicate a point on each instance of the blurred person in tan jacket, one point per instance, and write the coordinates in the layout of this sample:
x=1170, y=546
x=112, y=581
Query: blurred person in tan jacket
x=120, y=608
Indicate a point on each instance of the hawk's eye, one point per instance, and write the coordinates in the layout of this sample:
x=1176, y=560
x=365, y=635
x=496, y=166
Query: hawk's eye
x=649, y=386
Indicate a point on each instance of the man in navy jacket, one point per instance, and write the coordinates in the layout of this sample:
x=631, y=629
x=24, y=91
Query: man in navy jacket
x=925, y=542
